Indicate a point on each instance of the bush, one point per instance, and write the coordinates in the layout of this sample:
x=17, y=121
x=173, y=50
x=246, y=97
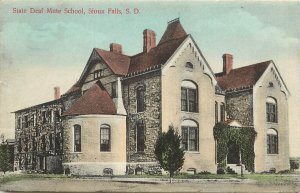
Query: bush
x=220, y=171
x=204, y=172
x=284, y=172
x=272, y=170
x=294, y=165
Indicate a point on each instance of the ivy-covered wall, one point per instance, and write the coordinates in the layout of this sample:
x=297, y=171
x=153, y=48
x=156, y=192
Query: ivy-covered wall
x=243, y=136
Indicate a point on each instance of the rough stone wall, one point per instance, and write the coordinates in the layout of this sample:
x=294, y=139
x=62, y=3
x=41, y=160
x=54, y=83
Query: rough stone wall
x=150, y=117
x=33, y=137
x=239, y=106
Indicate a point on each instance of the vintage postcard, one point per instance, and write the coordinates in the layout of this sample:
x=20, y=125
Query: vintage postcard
x=149, y=96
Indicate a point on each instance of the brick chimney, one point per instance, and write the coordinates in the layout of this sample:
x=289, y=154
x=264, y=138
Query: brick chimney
x=56, y=93
x=149, y=40
x=227, y=63
x=116, y=48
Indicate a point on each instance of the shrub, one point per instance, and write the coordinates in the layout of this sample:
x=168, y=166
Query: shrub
x=220, y=171
x=204, y=172
x=294, y=165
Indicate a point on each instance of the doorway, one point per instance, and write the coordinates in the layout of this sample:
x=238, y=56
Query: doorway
x=233, y=156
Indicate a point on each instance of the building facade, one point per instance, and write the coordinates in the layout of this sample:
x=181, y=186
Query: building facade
x=109, y=120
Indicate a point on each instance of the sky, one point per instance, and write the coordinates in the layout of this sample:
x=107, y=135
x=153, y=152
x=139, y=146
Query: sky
x=41, y=51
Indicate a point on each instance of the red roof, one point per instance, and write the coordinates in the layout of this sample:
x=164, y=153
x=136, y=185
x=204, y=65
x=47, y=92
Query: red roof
x=173, y=31
x=95, y=100
x=242, y=77
x=117, y=62
x=74, y=88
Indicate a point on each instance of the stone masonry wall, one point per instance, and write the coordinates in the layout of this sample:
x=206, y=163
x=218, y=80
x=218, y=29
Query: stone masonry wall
x=239, y=106
x=150, y=117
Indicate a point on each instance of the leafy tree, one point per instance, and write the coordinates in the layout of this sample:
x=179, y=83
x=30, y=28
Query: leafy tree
x=6, y=157
x=168, y=152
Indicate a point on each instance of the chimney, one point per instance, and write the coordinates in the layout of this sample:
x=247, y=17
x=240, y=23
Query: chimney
x=116, y=48
x=56, y=93
x=149, y=40
x=227, y=63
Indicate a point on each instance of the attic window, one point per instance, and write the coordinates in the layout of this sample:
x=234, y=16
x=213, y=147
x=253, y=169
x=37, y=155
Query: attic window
x=189, y=65
x=271, y=84
x=98, y=73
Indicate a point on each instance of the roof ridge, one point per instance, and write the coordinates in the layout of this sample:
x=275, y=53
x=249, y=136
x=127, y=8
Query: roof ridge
x=111, y=52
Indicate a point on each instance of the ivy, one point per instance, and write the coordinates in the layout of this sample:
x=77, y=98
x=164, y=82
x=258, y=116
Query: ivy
x=242, y=136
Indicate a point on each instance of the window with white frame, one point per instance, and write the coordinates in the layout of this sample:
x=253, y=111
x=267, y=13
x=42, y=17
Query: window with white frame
x=140, y=136
x=77, y=138
x=105, y=138
x=272, y=141
x=271, y=109
x=190, y=135
x=222, y=109
x=140, y=99
x=189, y=99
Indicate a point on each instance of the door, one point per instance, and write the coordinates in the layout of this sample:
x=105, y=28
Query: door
x=233, y=156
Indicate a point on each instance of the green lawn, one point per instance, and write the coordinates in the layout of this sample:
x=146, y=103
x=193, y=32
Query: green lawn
x=16, y=177
x=271, y=178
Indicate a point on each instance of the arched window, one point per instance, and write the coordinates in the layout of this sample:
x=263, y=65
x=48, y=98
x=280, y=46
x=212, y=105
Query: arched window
x=216, y=112
x=140, y=136
x=77, y=138
x=190, y=135
x=104, y=138
x=189, y=99
x=140, y=99
x=189, y=65
x=272, y=141
x=222, y=109
x=271, y=109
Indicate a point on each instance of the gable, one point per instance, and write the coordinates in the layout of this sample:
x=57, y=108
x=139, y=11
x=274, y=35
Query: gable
x=201, y=61
x=276, y=78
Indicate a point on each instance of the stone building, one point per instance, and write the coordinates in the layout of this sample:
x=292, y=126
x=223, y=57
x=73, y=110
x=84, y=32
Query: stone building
x=109, y=120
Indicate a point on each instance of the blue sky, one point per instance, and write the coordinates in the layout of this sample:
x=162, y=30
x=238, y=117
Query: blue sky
x=40, y=51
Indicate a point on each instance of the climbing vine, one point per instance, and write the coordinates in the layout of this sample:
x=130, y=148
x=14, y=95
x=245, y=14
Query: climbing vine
x=242, y=136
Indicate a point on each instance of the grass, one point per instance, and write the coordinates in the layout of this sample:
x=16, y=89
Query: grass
x=271, y=178
x=17, y=177
x=259, y=178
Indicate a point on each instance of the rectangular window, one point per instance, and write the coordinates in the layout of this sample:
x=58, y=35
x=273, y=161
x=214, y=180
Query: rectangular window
x=105, y=138
x=271, y=112
x=184, y=99
x=140, y=137
x=272, y=141
x=34, y=119
x=19, y=123
x=98, y=73
x=216, y=112
x=77, y=138
x=43, y=143
x=222, y=108
x=140, y=96
x=44, y=117
x=189, y=100
x=26, y=121
x=114, y=89
x=189, y=138
x=51, y=141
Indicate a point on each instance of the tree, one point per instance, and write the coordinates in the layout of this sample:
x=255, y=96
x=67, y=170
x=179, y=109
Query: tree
x=6, y=158
x=168, y=152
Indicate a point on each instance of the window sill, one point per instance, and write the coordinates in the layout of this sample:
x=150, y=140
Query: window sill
x=192, y=152
x=272, y=154
x=188, y=112
x=274, y=123
x=76, y=152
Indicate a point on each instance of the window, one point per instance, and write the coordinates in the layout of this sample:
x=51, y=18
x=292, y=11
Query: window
x=216, y=112
x=34, y=119
x=140, y=136
x=189, y=101
x=43, y=143
x=44, y=116
x=190, y=135
x=57, y=115
x=140, y=99
x=189, y=65
x=222, y=109
x=98, y=73
x=105, y=138
x=26, y=121
x=51, y=141
x=272, y=141
x=19, y=126
x=77, y=138
x=271, y=110
x=114, y=89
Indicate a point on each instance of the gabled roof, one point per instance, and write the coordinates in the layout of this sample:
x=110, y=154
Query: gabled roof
x=242, y=77
x=95, y=100
x=173, y=31
x=156, y=56
x=118, y=63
